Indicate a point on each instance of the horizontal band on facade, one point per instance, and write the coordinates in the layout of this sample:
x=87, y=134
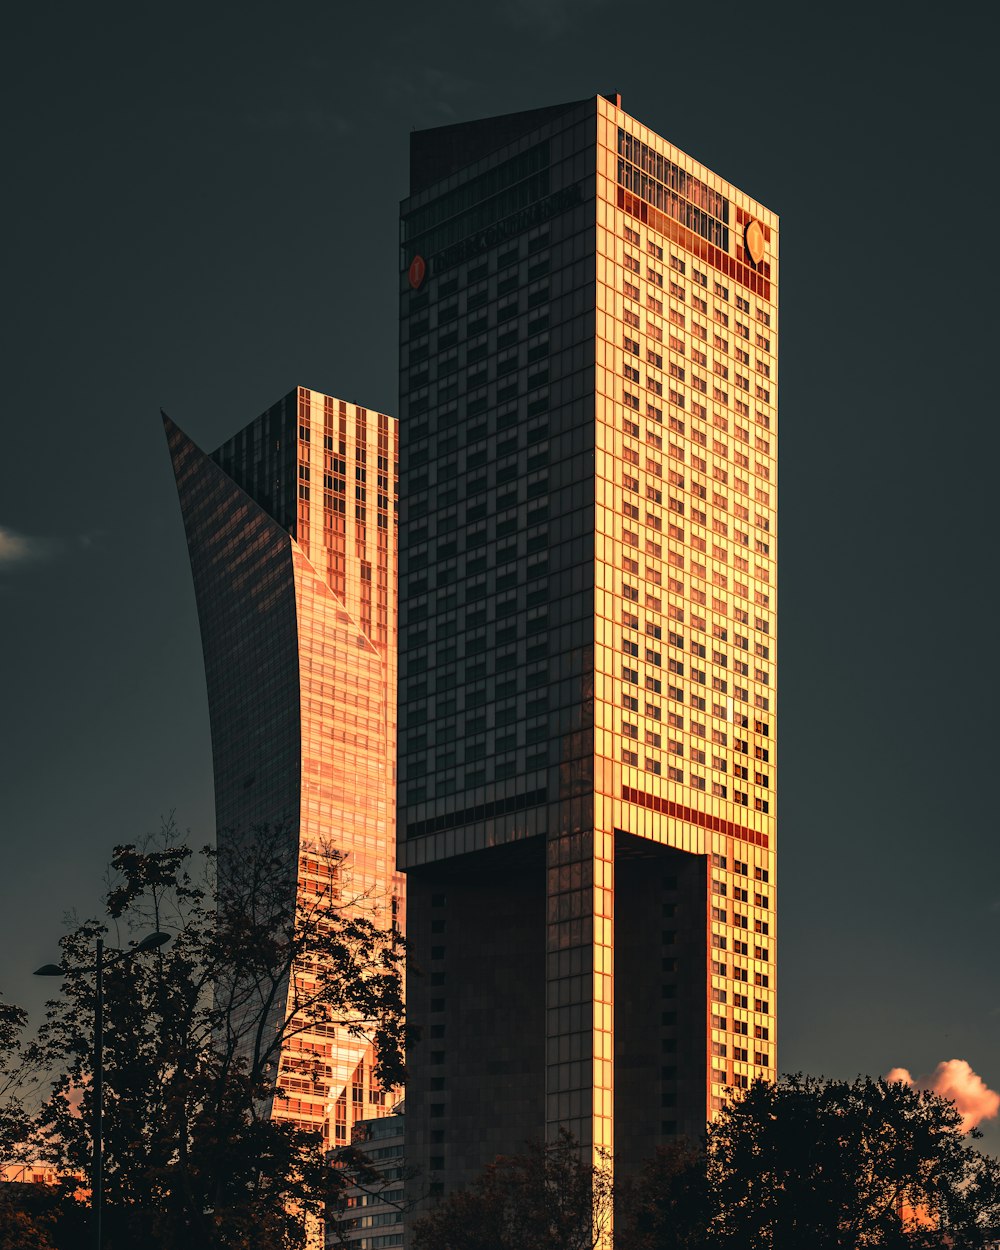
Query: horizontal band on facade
x=693, y=817
x=474, y=815
x=737, y=270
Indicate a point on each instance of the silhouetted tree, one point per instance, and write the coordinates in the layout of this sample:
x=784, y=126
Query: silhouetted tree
x=192, y=1036
x=838, y=1164
x=27, y=1217
x=665, y=1207
x=804, y=1164
x=21, y=1070
x=549, y=1198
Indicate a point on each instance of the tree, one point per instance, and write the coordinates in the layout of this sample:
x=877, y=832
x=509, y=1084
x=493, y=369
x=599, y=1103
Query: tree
x=26, y=1223
x=831, y=1164
x=549, y=1198
x=192, y=1036
x=665, y=1207
x=22, y=1071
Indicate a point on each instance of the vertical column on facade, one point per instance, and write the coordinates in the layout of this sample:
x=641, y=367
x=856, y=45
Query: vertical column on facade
x=578, y=981
x=604, y=981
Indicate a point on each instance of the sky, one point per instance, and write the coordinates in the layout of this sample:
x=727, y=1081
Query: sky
x=202, y=214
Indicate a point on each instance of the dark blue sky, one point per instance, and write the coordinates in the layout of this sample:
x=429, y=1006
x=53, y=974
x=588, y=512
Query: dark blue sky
x=202, y=213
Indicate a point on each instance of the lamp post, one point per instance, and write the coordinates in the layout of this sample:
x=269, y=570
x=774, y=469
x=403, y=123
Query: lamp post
x=151, y=942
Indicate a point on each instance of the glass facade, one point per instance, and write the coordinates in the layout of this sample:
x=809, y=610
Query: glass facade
x=291, y=529
x=587, y=649
x=372, y=1214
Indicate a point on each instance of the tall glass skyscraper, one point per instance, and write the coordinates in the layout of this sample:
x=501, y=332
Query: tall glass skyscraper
x=291, y=529
x=588, y=376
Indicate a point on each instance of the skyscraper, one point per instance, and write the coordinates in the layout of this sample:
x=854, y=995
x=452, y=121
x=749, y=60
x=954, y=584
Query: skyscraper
x=587, y=652
x=291, y=529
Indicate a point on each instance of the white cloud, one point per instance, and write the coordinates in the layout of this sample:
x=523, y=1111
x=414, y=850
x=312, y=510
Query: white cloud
x=955, y=1079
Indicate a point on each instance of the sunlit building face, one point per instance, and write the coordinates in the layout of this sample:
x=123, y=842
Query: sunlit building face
x=587, y=765
x=291, y=528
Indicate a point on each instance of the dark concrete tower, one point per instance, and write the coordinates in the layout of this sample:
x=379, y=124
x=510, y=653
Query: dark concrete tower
x=587, y=647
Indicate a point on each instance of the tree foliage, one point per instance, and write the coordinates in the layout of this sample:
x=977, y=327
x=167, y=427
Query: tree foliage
x=192, y=1036
x=549, y=1198
x=804, y=1164
x=665, y=1207
x=27, y=1217
x=855, y=1164
x=21, y=1072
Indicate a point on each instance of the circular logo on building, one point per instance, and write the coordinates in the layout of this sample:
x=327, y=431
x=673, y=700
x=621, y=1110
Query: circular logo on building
x=753, y=237
x=418, y=271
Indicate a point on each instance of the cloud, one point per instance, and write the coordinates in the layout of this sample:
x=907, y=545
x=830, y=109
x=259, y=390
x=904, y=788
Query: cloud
x=317, y=121
x=547, y=19
x=955, y=1079
x=18, y=549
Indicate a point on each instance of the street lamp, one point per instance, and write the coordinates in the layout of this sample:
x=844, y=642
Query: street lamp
x=151, y=942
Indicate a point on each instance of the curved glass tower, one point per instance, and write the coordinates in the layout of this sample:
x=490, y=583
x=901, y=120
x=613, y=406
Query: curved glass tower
x=291, y=530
